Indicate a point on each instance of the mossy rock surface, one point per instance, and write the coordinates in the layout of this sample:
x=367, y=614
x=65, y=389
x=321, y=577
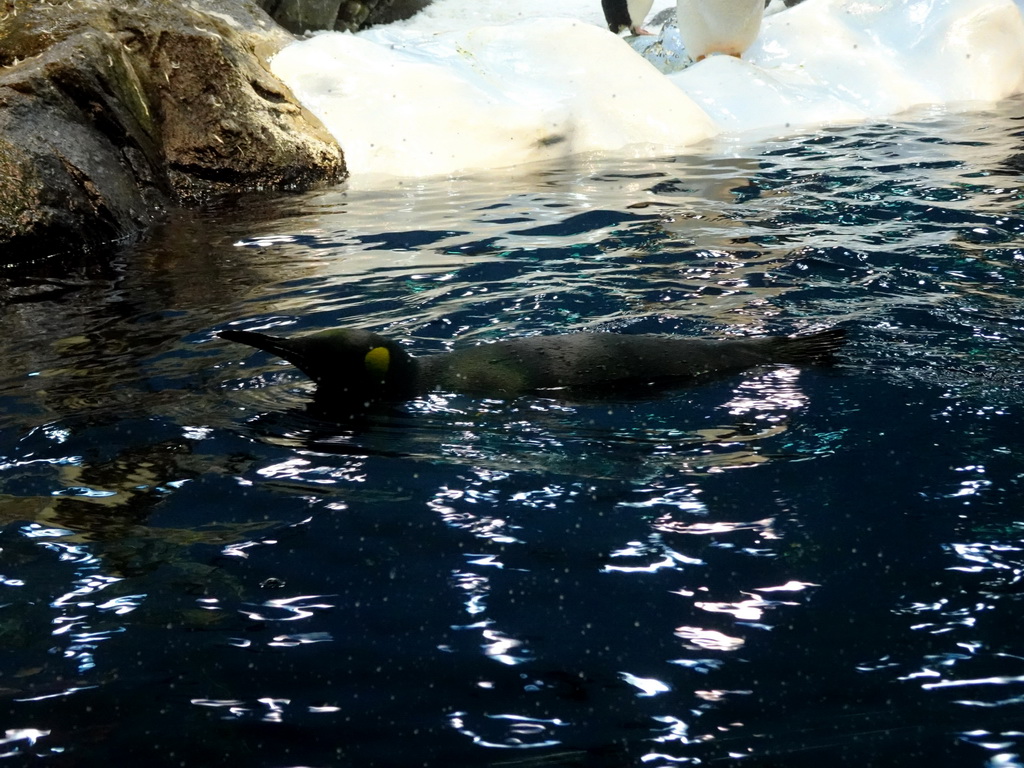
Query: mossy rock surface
x=110, y=111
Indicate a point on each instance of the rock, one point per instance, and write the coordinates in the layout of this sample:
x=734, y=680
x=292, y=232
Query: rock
x=112, y=109
x=396, y=10
x=301, y=16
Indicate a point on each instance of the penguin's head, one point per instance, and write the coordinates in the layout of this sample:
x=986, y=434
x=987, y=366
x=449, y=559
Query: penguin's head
x=353, y=369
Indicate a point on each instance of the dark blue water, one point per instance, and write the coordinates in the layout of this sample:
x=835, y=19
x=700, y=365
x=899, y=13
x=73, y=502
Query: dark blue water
x=796, y=567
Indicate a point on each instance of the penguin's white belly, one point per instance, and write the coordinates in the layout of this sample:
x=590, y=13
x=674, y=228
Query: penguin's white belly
x=718, y=26
x=638, y=10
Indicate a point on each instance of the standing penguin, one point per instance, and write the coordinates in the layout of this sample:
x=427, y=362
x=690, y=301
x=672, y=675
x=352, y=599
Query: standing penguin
x=718, y=26
x=626, y=14
x=355, y=370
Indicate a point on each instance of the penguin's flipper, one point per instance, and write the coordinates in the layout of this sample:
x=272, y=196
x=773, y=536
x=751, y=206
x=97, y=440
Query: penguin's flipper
x=616, y=13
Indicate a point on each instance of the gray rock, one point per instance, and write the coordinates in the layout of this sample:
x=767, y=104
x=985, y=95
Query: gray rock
x=300, y=16
x=112, y=109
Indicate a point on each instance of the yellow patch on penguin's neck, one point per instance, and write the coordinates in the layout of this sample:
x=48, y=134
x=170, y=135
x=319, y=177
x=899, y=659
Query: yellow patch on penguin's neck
x=377, y=361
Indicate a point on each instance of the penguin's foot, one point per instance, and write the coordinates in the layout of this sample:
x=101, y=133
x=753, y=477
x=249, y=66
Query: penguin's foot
x=639, y=31
x=727, y=53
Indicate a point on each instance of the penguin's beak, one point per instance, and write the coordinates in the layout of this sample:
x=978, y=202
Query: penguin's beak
x=286, y=349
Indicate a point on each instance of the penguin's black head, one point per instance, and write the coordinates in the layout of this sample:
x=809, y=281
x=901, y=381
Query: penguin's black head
x=353, y=369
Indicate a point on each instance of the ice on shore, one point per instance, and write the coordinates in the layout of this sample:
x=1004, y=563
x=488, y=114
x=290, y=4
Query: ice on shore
x=476, y=84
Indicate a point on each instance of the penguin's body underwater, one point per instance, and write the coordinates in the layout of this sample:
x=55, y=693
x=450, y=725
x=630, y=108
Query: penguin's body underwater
x=626, y=14
x=355, y=369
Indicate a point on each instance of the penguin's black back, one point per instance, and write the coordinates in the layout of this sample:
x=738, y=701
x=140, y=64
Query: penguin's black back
x=595, y=361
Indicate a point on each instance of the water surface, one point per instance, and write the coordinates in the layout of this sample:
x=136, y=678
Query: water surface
x=799, y=567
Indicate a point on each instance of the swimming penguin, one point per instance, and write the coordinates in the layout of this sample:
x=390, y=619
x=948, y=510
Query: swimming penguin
x=355, y=369
x=626, y=14
x=718, y=26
